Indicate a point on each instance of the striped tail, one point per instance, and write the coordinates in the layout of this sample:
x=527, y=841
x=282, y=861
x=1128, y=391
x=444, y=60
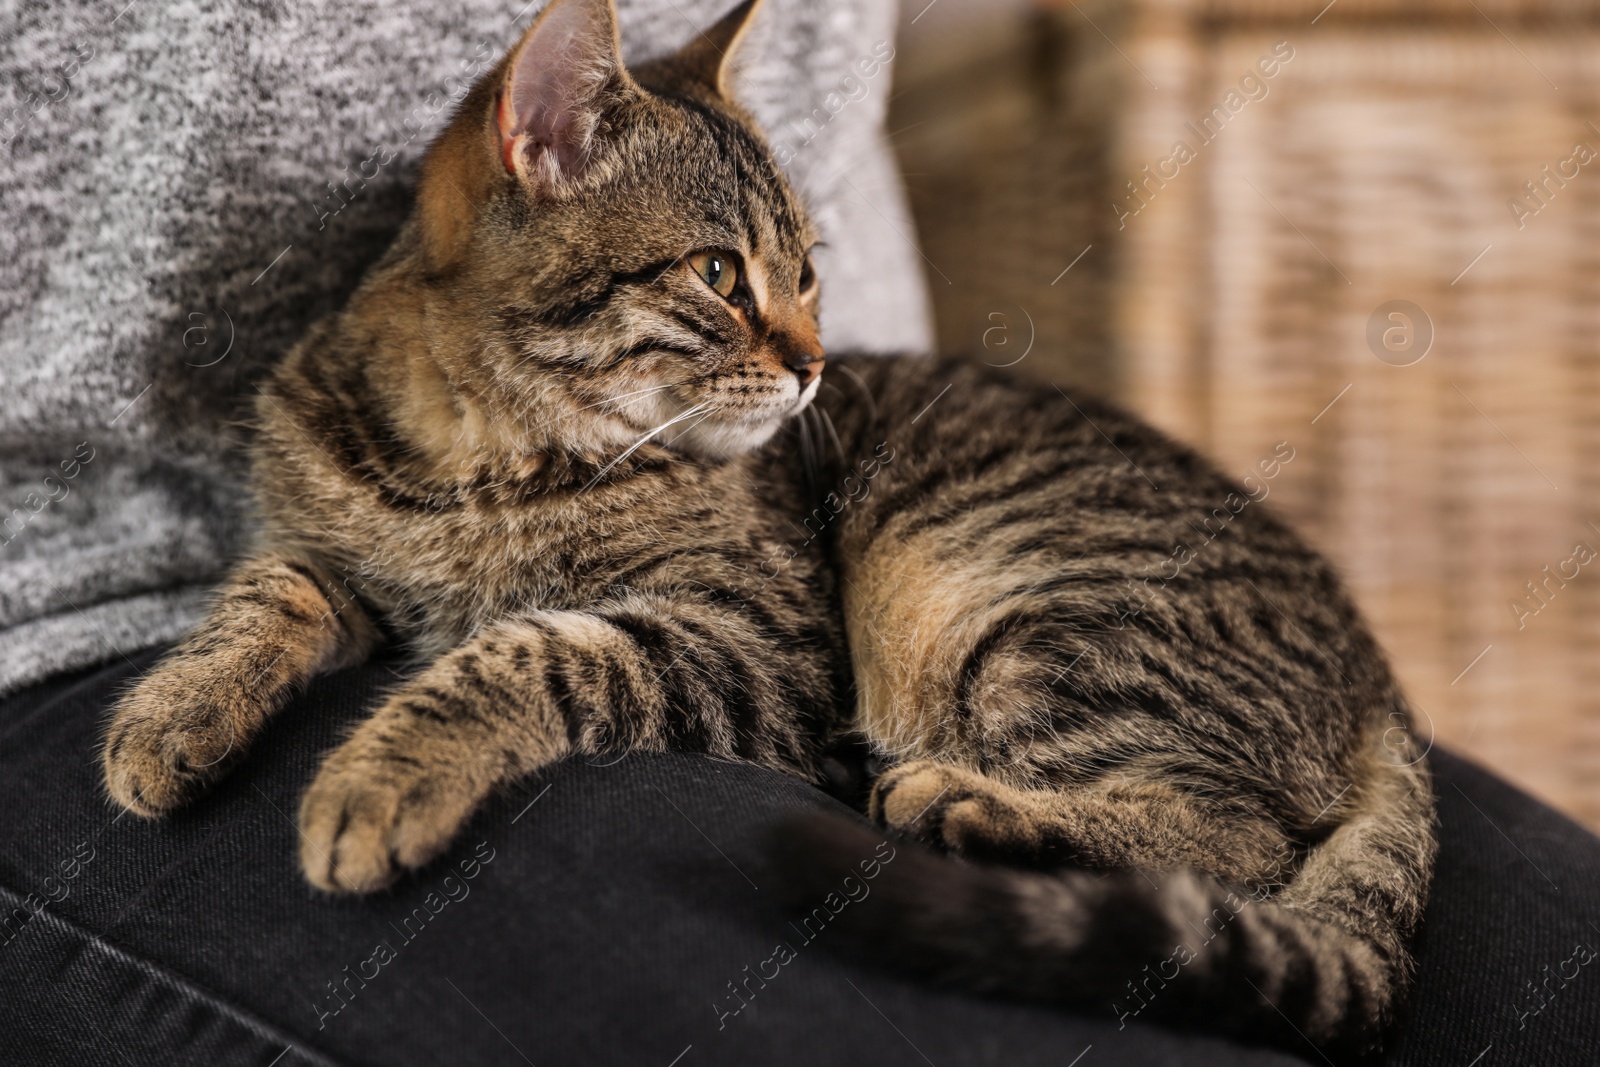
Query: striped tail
x=1323, y=960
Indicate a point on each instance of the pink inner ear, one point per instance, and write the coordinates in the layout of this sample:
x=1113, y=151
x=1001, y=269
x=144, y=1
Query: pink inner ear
x=548, y=106
x=507, y=121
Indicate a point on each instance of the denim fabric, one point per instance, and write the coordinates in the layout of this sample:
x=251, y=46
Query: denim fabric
x=608, y=915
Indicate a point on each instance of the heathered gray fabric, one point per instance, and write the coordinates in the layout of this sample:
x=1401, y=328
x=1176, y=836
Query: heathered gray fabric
x=168, y=229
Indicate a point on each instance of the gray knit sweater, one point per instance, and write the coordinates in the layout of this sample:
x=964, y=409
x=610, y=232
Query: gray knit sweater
x=185, y=186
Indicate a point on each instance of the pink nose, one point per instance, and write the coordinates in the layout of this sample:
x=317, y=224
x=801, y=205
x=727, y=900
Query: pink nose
x=805, y=357
x=807, y=367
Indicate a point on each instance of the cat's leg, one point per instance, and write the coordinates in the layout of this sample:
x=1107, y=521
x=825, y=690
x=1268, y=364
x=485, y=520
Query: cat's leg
x=1114, y=824
x=646, y=673
x=275, y=624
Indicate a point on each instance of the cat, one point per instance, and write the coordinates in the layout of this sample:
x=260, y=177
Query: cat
x=572, y=442
x=1091, y=654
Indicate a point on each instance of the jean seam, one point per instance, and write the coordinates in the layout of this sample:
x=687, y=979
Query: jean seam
x=166, y=976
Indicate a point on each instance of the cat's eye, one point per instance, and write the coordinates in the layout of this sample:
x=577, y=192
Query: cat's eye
x=808, y=276
x=717, y=270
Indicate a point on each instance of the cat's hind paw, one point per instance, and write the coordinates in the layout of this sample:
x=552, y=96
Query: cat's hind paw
x=915, y=799
x=954, y=809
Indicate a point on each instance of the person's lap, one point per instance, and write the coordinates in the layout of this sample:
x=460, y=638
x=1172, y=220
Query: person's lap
x=615, y=914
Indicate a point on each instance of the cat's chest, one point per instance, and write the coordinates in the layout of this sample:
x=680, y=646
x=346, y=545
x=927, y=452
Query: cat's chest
x=437, y=573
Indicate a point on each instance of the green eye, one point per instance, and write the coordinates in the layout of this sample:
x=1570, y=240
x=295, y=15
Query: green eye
x=716, y=269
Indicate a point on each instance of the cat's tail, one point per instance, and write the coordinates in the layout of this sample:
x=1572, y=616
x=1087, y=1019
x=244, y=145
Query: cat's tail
x=1324, y=959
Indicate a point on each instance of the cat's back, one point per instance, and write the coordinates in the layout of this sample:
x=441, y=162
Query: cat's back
x=1033, y=558
x=984, y=455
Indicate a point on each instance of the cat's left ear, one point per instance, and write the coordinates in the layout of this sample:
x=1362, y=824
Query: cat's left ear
x=708, y=57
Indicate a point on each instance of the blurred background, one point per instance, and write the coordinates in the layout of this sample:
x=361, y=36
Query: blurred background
x=1366, y=228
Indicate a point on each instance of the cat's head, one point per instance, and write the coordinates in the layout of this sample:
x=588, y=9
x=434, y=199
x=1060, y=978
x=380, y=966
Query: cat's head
x=611, y=252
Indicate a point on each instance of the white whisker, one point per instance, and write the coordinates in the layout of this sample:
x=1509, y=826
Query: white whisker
x=640, y=443
x=696, y=426
x=808, y=450
x=833, y=433
x=636, y=392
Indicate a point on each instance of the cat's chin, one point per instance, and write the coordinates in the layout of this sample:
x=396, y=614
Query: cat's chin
x=731, y=435
x=807, y=395
x=720, y=440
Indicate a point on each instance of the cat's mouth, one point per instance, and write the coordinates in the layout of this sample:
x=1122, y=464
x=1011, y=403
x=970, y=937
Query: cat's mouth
x=706, y=422
x=718, y=433
x=807, y=395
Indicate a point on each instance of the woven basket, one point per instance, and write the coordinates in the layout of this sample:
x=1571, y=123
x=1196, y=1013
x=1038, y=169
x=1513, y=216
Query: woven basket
x=1250, y=299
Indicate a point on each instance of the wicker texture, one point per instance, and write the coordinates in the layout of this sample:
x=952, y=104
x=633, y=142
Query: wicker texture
x=1234, y=307
x=1381, y=167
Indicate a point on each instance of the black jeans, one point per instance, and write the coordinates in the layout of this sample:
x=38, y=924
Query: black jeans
x=619, y=915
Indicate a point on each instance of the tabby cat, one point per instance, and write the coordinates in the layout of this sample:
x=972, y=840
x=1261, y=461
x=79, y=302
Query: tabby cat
x=551, y=445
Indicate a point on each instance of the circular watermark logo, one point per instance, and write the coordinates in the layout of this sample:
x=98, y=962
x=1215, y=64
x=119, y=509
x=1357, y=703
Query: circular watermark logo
x=1006, y=336
x=199, y=342
x=1399, y=333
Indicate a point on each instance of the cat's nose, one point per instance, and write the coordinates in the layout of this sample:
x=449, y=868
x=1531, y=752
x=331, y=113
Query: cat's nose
x=806, y=360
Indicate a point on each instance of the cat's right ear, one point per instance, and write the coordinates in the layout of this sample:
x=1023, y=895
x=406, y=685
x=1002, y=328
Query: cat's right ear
x=554, y=90
x=533, y=117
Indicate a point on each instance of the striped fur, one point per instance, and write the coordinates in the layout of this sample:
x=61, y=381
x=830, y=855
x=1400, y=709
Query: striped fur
x=1084, y=647
x=527, y=450
x=544, y=453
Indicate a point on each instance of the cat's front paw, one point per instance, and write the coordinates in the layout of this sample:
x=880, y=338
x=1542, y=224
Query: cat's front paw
x=168, y=741
x=381, y=805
